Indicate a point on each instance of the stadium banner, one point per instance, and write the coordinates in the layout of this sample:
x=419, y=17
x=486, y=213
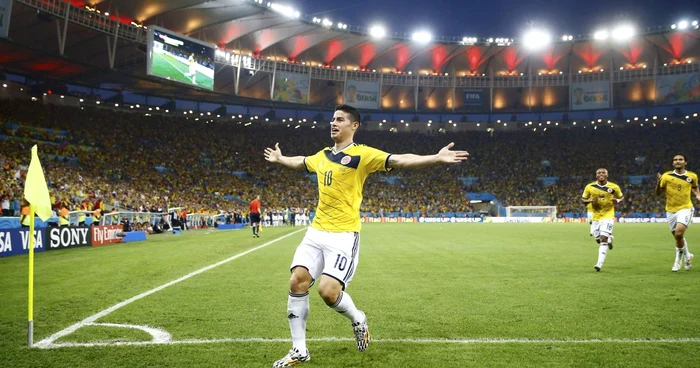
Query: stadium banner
x=16, y=241
x=643, y=219
x=5, y=12
x=450, y=219
x=526, y=220
x=291, y=87
x=102, y=235
x=473, y=97
x=362, y=95
x=680, y=88
x=590, y=95
x=367, y=219
x=68, y=237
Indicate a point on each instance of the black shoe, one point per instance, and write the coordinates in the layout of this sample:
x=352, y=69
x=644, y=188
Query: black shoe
x=597, y=268
x=610, y=246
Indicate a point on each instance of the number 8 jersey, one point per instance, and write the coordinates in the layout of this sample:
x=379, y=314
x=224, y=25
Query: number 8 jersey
x=341, y=177
x=678, y=188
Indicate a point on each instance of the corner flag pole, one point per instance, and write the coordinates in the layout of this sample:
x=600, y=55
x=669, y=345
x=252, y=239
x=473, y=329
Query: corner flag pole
x=30, y=321
x=36, y=192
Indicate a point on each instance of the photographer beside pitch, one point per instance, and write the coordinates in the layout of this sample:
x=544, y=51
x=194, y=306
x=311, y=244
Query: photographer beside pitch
x=329, y=252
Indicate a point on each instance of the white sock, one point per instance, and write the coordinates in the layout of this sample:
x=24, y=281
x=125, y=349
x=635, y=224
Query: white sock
x=679, y=255
x=686, y=252
x=602, y=250
x=297, y=313
x=345, y=306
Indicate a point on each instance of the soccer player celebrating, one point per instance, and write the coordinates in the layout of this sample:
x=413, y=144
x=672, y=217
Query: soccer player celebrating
x=193, y=69
x=677, y=185
x=603, y=196
x=329, y=252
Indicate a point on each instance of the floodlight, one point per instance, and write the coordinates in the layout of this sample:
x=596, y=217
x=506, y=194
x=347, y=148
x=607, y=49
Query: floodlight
x=377, y=32
x=422, y=37
x=601, y=35
x=536, y=39
x=623, y=33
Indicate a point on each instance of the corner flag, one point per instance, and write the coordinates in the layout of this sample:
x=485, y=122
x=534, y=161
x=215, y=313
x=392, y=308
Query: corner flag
x=36, y=193
x=35, y=190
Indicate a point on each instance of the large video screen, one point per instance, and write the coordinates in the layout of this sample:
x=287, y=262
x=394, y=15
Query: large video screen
x=179, y=58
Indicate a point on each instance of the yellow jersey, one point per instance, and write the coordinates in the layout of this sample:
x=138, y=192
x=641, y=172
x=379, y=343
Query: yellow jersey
x=605, y=207
x=341, y=177
x=678, y=188
x=589, y=207
x=191, y=60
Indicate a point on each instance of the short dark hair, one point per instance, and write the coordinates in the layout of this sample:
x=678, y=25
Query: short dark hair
x=354, y=114
x=682, y=155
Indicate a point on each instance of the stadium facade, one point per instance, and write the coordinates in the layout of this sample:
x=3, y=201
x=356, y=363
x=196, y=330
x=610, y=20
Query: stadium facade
x=277, y=64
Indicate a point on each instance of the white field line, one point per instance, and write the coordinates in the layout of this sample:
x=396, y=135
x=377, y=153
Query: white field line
x=50, y=340
x=158, y=335
x=173, y=65
x=407, y=341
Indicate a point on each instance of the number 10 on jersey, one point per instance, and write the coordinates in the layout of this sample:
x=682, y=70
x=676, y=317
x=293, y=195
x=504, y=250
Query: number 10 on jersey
x=328, y=178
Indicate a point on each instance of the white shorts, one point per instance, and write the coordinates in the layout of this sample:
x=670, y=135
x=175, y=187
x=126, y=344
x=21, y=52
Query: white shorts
x=602, y=228
x=684, y=216
x=193, y=70
x=332, y=254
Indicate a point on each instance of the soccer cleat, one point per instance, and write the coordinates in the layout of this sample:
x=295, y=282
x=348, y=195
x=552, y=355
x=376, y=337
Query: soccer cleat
x=689, y=261
x=598, y=267
x=676, y=267
x=362, y=336
x=293, y=357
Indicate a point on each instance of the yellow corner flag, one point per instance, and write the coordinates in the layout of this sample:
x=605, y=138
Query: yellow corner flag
x=35, y=189
x=36, y=192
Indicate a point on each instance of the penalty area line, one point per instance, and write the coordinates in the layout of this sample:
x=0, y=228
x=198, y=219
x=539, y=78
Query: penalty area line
x=475, y=341
x=47, y=342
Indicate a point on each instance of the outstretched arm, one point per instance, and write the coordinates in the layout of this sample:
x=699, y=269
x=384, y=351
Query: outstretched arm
x=275, y=155
x=411, y=161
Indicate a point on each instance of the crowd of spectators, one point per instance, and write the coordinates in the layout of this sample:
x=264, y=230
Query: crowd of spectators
x=110, y=156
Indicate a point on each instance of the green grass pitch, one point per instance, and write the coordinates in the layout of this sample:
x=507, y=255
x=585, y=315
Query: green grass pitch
x=436, y=295
x=165, y=66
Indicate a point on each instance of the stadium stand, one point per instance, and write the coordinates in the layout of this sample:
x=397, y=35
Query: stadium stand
x=143, y=163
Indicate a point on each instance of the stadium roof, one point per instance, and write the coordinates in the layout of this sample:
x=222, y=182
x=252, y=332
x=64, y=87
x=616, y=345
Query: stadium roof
x=250, y=27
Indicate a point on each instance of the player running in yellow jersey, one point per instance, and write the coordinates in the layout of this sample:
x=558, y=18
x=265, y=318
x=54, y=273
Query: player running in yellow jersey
x=193, y=69
x=329, y=253
x=602, y=196
x=678, y=185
